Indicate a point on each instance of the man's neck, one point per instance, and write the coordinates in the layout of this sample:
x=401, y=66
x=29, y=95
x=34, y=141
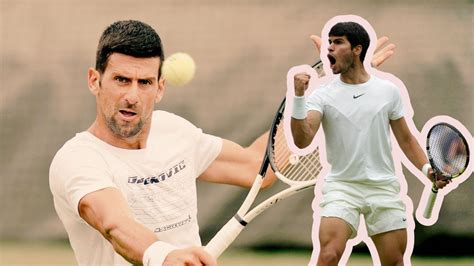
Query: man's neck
x=355, y=75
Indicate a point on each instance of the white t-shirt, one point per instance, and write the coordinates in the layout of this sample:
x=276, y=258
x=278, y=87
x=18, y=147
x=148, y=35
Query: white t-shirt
x=158, y=183
x=355, y=119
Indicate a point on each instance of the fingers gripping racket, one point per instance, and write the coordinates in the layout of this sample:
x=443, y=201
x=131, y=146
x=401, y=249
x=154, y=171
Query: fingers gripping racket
x=299, y=172
x=448, y=154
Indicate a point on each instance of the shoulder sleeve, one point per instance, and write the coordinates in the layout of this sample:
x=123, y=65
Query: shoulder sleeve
x=207, y=149
x=315, y=101
x=396, y=111
x=76, y=172
x=204, y=148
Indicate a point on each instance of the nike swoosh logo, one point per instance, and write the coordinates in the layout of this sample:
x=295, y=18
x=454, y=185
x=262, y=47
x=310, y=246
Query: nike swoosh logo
x=357, y=96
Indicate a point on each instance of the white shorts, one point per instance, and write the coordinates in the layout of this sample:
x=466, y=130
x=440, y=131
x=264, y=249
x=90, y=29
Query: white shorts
x=381, y=206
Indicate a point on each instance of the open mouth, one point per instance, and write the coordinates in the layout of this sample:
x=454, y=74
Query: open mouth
x=332, y=59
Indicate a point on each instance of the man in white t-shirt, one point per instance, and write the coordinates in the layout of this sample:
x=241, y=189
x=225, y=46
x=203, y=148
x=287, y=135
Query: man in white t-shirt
x=125, y=188
x=357, y=110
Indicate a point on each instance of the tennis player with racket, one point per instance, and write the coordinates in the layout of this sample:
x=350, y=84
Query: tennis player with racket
x=356, y=110
x=125, y=189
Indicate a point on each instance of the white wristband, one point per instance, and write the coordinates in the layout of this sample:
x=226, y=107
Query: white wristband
x=425, y=168
x=156, y=253
x=299, y=107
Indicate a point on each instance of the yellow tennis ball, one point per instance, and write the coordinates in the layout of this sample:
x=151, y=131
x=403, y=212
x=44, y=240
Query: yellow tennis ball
x=178, y=69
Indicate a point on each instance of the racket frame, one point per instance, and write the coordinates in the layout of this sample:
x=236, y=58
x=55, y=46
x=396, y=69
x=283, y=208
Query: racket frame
x=227, y=234
x=434, y=189
x=236, y=224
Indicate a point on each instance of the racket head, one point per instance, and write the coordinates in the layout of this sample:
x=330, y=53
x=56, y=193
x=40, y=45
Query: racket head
x=289, y=167
x=448, y=150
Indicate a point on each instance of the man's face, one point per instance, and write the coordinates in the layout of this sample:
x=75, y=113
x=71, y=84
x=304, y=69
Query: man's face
x=340, y=54
x=126, y=93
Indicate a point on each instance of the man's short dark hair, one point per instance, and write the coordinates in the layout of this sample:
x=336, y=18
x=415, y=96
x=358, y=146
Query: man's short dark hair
x=128, y=37
x=355, y=34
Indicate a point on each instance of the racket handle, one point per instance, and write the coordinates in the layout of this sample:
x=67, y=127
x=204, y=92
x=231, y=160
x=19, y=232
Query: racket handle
x=431, y=202
x=224, y=238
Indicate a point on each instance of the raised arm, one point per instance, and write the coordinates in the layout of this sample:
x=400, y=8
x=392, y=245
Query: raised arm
x=304, y=130
x=304, y=125
x=107, y=211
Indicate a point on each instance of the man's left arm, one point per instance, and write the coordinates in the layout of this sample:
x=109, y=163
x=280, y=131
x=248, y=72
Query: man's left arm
x=236, y=165
x=412, y=148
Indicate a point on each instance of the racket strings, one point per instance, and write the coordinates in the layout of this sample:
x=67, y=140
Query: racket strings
x=293, y=167
x=447, y=150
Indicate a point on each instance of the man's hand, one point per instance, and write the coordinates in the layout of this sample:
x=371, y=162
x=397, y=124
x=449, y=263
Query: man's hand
x=194, y=256
x=301, y=83
x=383, y=51
x=439, y=180
x=317, y=42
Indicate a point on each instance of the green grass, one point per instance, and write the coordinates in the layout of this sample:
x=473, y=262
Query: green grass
x=59, y=253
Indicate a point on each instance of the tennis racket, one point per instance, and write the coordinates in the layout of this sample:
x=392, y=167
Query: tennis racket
x=448, y=154
x=298, y=172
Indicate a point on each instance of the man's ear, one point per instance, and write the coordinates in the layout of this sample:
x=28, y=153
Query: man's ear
x=93, y=80
x=161, y=89
x=357, y=50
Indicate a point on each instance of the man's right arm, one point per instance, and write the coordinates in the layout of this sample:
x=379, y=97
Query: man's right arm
x=107, y=211
x=304, y=125
x=304, y=130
